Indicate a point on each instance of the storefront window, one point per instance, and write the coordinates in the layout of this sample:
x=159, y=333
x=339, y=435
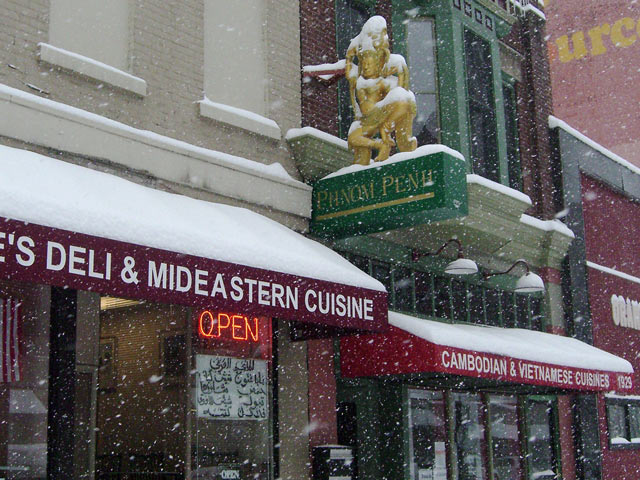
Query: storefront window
x=469, y=434
x=541, y=436
x=427, y=435
x=232, y=432
x=505, y=441
x=141, y=410
x=24, y=329
x=183, y=394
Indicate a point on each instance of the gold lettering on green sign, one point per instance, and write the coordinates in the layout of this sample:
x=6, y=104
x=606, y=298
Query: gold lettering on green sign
x=366, y=208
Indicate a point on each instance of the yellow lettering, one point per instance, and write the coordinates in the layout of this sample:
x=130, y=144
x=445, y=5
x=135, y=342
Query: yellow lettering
x=355, y=196
x=414, y=181
x=333, y=198
x=345, y=196
x=387, y=181
x=595, y=34
x=426, y=176
x=364, y=193
x=398, y=188
x=564, y=51
x=322, y=196
x=618, y=38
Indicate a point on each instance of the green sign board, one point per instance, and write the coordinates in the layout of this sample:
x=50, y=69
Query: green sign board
x=390, y=195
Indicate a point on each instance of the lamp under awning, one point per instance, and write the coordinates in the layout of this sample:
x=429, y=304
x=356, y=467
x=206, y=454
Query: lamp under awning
x=415, y=345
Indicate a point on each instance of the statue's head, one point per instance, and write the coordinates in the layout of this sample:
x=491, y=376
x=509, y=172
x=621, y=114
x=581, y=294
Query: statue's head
x=373, y=35
x=373, y=47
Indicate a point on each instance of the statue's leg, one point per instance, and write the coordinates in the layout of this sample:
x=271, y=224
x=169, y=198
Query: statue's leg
x=361, y=156
x=402, y=116
x=362, y=145
x=404, y=135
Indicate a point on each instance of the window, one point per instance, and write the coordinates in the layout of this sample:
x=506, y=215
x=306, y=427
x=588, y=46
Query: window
x=93, y=38
x=511, y=126
x=623, y=417
x=235, y=65
x=427, y=435
x=92, y=28
x=173, y=355
x=481, y=106
x=469, y=433
x=433, y=294
x=350, y=17
x=505, y=441
x=541, y=439
x=421, y=52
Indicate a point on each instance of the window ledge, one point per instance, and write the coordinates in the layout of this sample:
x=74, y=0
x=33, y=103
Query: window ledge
x=240, y=118
x=92, y=68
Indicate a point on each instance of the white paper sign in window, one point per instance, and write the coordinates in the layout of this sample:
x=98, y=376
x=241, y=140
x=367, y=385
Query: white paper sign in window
x=229, y=388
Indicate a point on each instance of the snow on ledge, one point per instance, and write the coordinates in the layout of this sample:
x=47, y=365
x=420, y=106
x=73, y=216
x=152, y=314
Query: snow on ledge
x=325, y=71
x=239, y=117
x=294, y=133
x=49, y=192
x=547, y=225
x=512, y=342
x=612, y=271
x=274, y=171
x=534, y=10
x=498, y=187
x=622, y=397
x=557, y=123
x=399, y=157
x=91, y=68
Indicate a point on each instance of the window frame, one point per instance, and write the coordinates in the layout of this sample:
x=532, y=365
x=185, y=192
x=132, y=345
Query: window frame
x=434, y=274
x=627, y=404
x=450, y=24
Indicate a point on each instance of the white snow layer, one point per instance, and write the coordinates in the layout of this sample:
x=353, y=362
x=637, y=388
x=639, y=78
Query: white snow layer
x=53, y=193
x=399, y=157
x=547, y=225
x=89, y=60
x=498, y=187
x=242, y=112
x=319, y=134
x=557, y=123
x=274, y=170
x=512, y=342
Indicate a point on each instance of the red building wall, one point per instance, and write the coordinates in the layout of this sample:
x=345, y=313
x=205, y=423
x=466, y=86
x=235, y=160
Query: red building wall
x=612, y=235
x=594, y=49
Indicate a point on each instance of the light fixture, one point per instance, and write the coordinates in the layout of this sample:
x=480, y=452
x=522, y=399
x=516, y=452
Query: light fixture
x=527, y=283
x=460, y=266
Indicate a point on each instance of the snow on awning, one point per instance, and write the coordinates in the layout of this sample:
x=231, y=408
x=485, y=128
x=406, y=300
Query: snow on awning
x=62, y=224
x=415, y=345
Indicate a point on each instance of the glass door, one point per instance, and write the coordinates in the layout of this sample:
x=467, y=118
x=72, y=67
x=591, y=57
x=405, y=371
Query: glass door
x=542, y=461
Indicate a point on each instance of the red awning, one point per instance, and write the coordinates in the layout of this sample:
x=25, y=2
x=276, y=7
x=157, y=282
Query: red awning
x=65, y=225
x=415, y=345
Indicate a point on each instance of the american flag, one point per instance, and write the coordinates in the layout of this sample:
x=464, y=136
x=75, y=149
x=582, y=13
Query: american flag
x=9, y=340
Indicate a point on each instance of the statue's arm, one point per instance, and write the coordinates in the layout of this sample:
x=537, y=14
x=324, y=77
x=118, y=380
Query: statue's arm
x=352, y=78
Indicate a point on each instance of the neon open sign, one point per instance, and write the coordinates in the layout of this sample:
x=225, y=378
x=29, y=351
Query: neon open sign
x=228, y=326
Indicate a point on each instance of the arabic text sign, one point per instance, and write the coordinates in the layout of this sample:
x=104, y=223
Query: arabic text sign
x=229, y=388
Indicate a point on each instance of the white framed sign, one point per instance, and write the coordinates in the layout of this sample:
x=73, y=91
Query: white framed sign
x=229, y=388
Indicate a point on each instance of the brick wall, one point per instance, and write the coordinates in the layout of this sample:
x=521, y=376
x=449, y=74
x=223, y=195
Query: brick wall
x=318, y=45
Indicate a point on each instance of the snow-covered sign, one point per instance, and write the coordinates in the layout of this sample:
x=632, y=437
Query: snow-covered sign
x=410, y=188
x=229, y=388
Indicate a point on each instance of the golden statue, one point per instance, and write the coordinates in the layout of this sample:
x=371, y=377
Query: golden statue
x=380, y=95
